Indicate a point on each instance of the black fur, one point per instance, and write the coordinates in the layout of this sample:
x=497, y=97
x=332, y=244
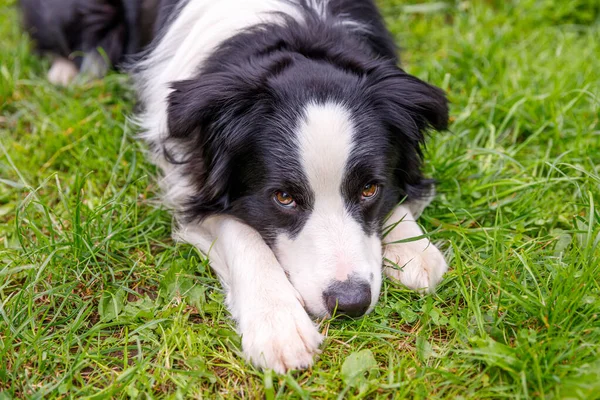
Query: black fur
x=74, y=29
x=236, y=118
x=69, y=27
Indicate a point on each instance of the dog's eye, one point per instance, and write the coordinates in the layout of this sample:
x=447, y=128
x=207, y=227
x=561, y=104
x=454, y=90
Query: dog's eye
x=284, y=199
x=369, y=191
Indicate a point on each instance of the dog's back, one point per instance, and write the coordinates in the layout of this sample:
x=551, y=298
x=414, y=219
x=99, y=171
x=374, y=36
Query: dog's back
x=88, y=36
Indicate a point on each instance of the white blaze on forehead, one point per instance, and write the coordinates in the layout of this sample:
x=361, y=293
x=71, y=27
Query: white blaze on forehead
x=332, y=245
x=325, y=142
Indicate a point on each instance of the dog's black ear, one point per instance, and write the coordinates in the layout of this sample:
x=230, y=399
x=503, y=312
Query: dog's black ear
x=204, y=120
x=407, y=103
x=191, y=105
x=219, y=96
x=199, y=105
x=409, y=107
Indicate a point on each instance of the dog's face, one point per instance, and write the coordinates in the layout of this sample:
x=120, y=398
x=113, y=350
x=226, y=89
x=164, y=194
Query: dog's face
x=313, y=156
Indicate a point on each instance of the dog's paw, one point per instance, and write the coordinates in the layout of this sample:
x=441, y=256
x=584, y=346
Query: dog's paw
x=418, y=265
x=280, y=338
x=62, y=72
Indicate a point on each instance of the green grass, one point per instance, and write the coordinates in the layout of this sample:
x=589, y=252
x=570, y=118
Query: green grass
x=96, y=300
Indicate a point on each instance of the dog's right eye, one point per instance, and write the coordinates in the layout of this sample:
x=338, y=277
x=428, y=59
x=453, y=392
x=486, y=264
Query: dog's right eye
x=369, y=191
x=284, y=199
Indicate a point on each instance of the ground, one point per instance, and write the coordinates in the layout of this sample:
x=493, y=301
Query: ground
x=97, y=300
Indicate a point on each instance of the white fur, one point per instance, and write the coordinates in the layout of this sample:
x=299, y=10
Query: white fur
x=276, y=331
x=62, y=72
x=418, y=264
x=332, y=245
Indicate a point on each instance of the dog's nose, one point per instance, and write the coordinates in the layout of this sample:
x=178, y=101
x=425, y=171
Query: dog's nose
x=351, y=297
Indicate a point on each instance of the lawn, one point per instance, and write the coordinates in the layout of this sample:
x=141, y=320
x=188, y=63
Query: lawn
x=96, y=299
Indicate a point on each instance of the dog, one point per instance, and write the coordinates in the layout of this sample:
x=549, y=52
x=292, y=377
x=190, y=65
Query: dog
x=88, y=37
x=289, y=142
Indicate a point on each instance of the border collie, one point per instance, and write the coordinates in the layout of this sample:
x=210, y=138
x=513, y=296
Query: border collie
x=289, y=142
x=87, y=37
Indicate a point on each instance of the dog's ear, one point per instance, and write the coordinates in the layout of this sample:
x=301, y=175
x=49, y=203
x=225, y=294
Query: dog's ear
x=409, y=107
x=407, y=103
x=210, y=101
x=190, y=106
x=204, y=124
x=196, y=104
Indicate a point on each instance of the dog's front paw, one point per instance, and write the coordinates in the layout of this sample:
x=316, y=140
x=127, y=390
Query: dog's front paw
x=62, y=72
x=281, y=337
x=418, y=265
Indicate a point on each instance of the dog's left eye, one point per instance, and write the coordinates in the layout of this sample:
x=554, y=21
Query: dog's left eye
x=284, y=199
x=369, y=191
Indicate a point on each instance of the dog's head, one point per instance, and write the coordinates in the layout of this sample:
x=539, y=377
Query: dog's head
x=313, y=154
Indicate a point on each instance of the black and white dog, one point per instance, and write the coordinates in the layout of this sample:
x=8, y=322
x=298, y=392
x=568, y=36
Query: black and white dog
x=87, y=37
x=290, y=145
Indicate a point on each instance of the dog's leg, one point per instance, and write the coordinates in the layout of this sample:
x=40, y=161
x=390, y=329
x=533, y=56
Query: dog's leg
x=418, y=264
x=93, y=66
x=276, y=331
x=62, y=71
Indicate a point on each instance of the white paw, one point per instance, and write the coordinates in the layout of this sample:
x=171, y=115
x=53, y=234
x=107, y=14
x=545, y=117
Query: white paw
x=281, y=337
x=62, y=72
x=418, y=265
